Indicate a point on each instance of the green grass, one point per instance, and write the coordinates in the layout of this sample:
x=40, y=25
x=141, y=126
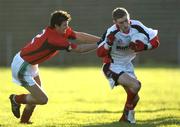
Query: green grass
x=82, y=97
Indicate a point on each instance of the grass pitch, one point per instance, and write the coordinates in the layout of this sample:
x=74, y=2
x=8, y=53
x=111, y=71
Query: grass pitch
x=81, y=97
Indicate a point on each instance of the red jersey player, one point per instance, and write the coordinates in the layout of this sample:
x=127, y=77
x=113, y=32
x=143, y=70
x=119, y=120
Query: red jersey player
x=43, y=47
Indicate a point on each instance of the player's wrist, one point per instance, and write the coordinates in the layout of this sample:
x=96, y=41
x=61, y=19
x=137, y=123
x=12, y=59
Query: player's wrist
x=148, y=46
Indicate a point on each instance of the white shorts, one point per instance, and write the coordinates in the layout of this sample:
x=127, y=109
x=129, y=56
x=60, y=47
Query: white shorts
x=128, y=69
x=118, y=70
x=23, y=73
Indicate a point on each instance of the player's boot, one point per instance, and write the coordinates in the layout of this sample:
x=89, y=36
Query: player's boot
x=14, y=106
x=128, y=116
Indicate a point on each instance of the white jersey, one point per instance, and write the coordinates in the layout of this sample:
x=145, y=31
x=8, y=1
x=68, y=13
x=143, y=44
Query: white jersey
x=120, y=52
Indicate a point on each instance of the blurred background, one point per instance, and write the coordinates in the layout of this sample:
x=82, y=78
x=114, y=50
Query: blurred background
x=21, y=20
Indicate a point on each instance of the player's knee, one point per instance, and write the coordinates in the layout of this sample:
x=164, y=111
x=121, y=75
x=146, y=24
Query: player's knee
x=137, y=98
x=137, y=86
x=43, y=100
x=30, y=107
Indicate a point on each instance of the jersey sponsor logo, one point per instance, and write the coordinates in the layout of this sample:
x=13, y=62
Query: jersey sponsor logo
x=122, y=47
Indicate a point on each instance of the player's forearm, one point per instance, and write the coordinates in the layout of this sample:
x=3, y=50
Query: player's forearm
x=85, y=48
x=88, y=38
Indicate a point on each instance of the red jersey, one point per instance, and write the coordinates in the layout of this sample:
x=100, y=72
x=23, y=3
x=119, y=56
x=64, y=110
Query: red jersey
x=46, y=45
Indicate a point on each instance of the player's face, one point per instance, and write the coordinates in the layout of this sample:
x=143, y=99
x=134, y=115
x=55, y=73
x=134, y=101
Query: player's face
x=123, y=23
x=62, y=28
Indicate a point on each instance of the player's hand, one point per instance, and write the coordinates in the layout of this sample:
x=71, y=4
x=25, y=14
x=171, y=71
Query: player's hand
x=137, y=46
x=111, y=37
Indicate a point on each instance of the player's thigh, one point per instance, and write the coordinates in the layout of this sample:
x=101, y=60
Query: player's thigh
x=127, y=81
x=37, y=92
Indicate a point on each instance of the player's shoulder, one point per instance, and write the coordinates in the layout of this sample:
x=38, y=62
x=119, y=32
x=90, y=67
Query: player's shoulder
x=135, y=22
x=48, y=29
x=51, y=32
x=112, y=28
x=69, y=31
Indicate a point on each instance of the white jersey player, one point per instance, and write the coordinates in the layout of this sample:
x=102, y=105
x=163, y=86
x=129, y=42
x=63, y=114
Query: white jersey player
x=118, y=47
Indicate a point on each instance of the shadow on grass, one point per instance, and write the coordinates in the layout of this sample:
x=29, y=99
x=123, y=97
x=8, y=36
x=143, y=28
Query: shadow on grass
x=162, y=121
x=165, y=121
x=138, y=111
x=155, y=122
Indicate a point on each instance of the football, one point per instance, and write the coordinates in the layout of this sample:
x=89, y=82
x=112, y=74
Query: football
x=139, y=36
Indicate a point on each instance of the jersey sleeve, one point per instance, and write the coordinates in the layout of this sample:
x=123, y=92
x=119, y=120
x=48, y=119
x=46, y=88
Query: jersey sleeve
x=103, y=47
x=101, y=50
x=152, y=34
x=149, y=32
x=70, y=34
x=63, y=44
x=59, y=42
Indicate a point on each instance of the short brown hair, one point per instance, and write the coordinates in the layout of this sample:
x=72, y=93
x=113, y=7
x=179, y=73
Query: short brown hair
x=119, y=12
x=57, y=17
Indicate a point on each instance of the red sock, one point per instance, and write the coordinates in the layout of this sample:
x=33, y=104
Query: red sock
x=135, y=102
x=129, y=101
x=26, y=115
x=130, y=104
x=20, y=99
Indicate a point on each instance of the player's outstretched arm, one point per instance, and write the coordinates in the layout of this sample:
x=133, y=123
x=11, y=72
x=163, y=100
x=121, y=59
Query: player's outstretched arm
x=81, y=48
x=86, y=38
